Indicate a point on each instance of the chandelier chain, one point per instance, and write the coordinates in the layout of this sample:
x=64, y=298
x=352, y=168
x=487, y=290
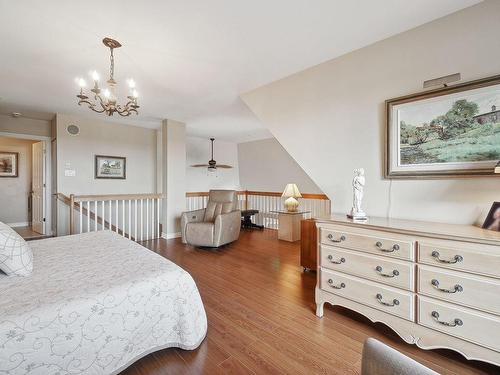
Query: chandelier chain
x=112, y=65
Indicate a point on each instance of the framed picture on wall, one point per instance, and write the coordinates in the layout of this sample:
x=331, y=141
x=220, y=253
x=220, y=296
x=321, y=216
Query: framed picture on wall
x=9, y=164
x=448, y=132
x=110, y=167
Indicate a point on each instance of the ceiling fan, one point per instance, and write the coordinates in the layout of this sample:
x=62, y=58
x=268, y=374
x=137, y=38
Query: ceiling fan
x=212, y=164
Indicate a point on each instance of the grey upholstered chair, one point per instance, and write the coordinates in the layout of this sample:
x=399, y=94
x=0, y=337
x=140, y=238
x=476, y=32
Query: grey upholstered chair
x=380, y=359
x=216, y=225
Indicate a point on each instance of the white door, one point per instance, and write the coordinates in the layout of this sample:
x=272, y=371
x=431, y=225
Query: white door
x=38, y=188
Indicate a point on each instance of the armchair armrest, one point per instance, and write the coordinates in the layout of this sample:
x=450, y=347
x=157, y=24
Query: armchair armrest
x=195, y=216
x=227, y=227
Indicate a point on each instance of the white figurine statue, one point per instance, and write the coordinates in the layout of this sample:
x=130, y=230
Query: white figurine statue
x=358, y=184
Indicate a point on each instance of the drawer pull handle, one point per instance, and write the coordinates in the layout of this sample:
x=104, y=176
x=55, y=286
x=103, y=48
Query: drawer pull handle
x=456, y=258
x=341, y=260
x=342, y=285
x=331, y=238
x=456, y=321
x=379, y=270
x=394, y=247
x=395, y=302
x=456, y=288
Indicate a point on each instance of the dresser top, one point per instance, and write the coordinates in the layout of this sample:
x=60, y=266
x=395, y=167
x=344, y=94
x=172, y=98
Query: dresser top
x=460, y=232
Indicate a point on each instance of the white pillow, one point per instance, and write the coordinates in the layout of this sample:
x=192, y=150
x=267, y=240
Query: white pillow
x=16, y=257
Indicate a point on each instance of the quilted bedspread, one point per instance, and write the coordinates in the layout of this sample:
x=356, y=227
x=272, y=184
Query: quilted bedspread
x=95, y=303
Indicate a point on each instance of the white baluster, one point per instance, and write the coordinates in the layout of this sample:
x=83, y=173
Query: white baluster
x=95, y=216
x=142, y=225
x=158, y=216
x=123, y=218
x=129, y=218
x=88, y=216
x=147, y=218
x=103, y=217
x=81, y=215
x=117, y=216
x=110, y=215
x=135, y=220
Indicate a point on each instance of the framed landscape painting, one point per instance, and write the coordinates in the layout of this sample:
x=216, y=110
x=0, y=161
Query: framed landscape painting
x=113, y=167
x=9, y=164
x=448, y=132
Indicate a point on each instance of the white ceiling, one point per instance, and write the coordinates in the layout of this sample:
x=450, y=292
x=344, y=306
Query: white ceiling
x=190, y=58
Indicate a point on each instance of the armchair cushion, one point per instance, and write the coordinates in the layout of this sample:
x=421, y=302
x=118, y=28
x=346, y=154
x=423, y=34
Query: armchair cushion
x=200, y=234
x=220, y=202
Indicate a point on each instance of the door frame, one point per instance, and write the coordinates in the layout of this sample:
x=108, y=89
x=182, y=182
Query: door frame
x=48, y=173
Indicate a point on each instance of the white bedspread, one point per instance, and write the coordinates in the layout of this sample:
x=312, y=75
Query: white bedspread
x=95, y=303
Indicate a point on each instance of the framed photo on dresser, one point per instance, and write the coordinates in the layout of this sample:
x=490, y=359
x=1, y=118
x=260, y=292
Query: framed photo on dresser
x=447, y=132
x=492, y=221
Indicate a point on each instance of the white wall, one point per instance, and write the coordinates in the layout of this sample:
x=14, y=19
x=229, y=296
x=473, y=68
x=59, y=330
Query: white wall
x=266, y=166
x=174, y=175
x=77, y=153
x=15, y=191
x=24, y=125
x=198, y=152
x=330, y=118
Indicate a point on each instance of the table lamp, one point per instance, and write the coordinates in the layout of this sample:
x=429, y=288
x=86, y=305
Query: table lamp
x=291, y=193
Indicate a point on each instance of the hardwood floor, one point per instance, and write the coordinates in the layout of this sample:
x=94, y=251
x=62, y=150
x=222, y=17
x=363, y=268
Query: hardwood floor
x=260, y=308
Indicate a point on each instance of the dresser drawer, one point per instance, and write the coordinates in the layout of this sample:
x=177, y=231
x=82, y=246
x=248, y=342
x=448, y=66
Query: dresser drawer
x=479, y=328
x=389, y=271
x=469, y=257
x=391, y=300
x=460, y=288
x=392, y=245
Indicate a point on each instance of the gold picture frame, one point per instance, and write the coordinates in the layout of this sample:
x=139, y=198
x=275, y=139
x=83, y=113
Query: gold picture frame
x=426, y=137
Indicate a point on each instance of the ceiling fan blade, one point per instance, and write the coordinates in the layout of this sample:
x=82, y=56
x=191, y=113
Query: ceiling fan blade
x=224, y=166
x=200, y=165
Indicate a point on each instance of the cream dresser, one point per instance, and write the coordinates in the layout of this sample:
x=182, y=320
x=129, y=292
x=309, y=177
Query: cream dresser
x=436, y=285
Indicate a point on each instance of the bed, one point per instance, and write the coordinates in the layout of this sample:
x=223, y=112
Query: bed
x=94, y=304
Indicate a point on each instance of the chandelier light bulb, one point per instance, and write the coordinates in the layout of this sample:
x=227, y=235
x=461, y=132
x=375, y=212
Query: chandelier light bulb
x=131, y=83
x=135, y=94
x=95, y=75
x=107, y=94
x=81, y=82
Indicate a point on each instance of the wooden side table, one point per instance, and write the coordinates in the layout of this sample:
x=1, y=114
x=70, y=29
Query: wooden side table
x=308, y=244
x=289, y=225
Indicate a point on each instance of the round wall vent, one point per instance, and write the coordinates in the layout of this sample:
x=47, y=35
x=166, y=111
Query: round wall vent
x=73, y=129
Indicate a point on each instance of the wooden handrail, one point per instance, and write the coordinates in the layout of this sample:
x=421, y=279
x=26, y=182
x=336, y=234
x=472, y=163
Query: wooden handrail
x=261, y=193
x=112, y=197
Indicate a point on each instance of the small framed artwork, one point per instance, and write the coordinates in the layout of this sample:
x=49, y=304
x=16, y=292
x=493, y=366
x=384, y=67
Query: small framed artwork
x=448, y=132
x=110, y=167
x=9, y=164
x=492, y=221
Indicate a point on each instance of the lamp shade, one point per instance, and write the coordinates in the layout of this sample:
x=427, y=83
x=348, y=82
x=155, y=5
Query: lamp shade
x=497, y=168
x=291, y=190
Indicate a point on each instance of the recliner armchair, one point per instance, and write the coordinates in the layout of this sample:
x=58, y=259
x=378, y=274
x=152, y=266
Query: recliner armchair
x=217, y=224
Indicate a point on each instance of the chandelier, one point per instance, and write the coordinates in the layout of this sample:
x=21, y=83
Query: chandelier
x=106, y=100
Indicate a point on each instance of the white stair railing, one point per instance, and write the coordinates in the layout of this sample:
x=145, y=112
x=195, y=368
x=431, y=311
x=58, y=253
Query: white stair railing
x=134, y=216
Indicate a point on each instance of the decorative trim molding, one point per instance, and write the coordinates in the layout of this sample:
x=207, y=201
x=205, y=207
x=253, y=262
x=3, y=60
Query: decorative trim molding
x=15, y=225
x=169, y=236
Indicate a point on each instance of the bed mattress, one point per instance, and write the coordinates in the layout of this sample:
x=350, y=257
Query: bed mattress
x=95, y=303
